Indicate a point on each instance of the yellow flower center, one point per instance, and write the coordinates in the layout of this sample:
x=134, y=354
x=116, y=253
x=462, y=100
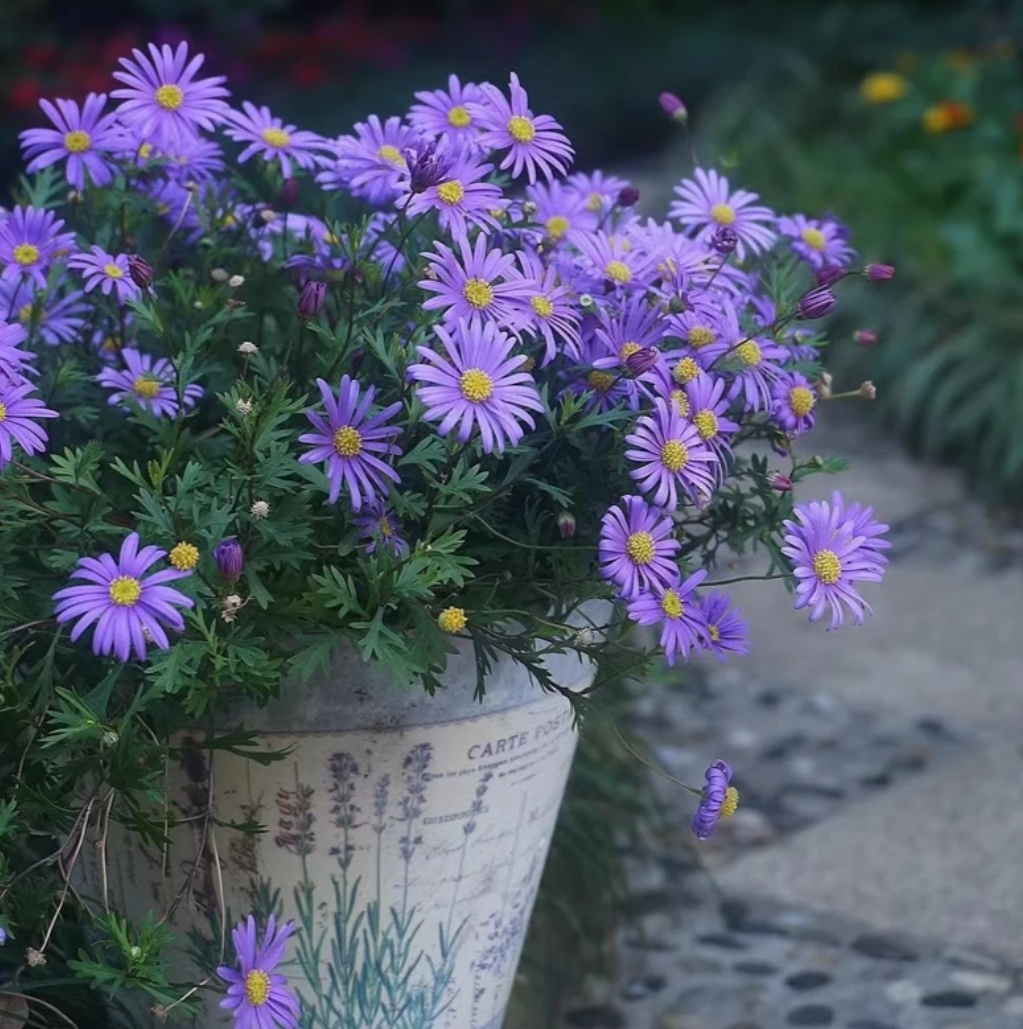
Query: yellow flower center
x=26, y=254
x=714, y=633
x=257, y=987
x=543, y=307
x=749, y=353
x=77, y=141
x=459, y=117
x=674, y=455
x=706, y=423
x=125, y=591
x=700, y=336
x=522, y=129
x=113, y=271
x=276, y=138
x=814, y=239
x=671, y=604
x=25, y=314
x=386, y=529
x=146, y=387
x=3, y=412
x=451, y=192
x=476, y=385
x=883, y=87
x=685, y=371
x=348, y=441
x=628, y=349
x=392, y=154
x=170, y=97
x=478, y=293
x=731, y=803
x=184, y=557
x=618, y=271
x=640, y=548
x=557, y=226
x=594, y=202
x=600, y=381
x=452, y=620
x=801, y=400
x=827, y=567
x=723, y=214
x=681, y=402
x=145, y=151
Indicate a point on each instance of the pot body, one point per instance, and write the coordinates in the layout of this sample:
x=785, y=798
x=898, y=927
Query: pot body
x=404, y=834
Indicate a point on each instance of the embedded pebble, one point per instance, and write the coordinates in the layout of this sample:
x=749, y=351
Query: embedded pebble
x=754, y=968
x=949, y=999
x=811, y=1014
x=598, y=1016
x=884, y=948
x=808, y=980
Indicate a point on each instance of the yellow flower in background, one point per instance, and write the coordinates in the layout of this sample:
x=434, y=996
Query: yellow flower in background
x=883, y=87
x=946, y=116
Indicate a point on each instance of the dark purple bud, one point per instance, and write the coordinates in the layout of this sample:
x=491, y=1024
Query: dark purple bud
x=628, y=196
x=229, y=558
x=673, y=108
x=829, y=275
x=865, y=337
x=355, y=361
x=426, y=167
x=289, y=194
x=642, y=361
x=566, y=524
x=879, y=272
x=310, y=301
x=781, y=483
x=724, y=240
x=817, y=303
x=140, y=270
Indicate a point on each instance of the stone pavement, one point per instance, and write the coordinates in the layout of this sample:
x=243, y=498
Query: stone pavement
x=870, y=877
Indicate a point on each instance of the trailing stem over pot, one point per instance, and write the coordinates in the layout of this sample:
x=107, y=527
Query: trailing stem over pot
x=264, y=394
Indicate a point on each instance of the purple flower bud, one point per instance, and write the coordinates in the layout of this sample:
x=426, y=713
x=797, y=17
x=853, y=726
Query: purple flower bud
x=724, y=240
x=781, y=483
x=828, y=275
x=865, y=337
x=817, y=303
x=310, y=302
x=678, y=304
x=673, y=108
x=628, y=196
x=289, y=194
x=566, y=524
x=140, y=270
x=426, y=167
x=229, y=558
x=642, y=361
x=355, y=362
x=879, y=272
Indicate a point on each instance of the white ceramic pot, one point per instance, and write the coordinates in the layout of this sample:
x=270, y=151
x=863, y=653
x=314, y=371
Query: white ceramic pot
x=405, y=835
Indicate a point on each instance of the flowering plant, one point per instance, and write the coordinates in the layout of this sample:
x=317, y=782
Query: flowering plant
x=264, y=394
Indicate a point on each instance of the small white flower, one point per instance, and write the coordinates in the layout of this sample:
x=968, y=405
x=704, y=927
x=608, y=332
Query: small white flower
x=219, y=275
x=260, y=509
x=248, y=347
x=230, y=606
x=243, y=407
x=235, y=281
x=267, y=216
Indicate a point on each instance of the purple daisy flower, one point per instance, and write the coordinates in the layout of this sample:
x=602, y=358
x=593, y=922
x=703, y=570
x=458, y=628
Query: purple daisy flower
x=462, y=197
x=30, y=240
x=534, y=143
x=381, y=528
x=13, y=360
x=726, y=631
x=82, y=137
x=273, y=140
x=670, y=453
x=18, y=412
x=708, y=405
x=127, y=609
x=678, y=612
x=559, y=210
x=549, y=308
x=705, y=203
x=709, y=329
x=864, y=524
x=794, y=401
x=257, y=996
x=608, y=389
x=60, y=319
x=485, y=285
x=759, y=364
x=152, y=384
x=720, y=799
x=613, y=259
x=476, y=383
x=193, y=160
x=164, y=102
x=353, y=442
x=597, y=190
x=634, y=327
x=830, y=551
x=822, y=244
x=370, y=164
x=446, y=113
x=637, y=548
x=106, y=271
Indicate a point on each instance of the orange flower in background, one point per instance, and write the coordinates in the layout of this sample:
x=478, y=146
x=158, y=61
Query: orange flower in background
x=883, y=87
x=947, y=116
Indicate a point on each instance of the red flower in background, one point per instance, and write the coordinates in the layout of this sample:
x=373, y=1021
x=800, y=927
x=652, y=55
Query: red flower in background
x=23, y=95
